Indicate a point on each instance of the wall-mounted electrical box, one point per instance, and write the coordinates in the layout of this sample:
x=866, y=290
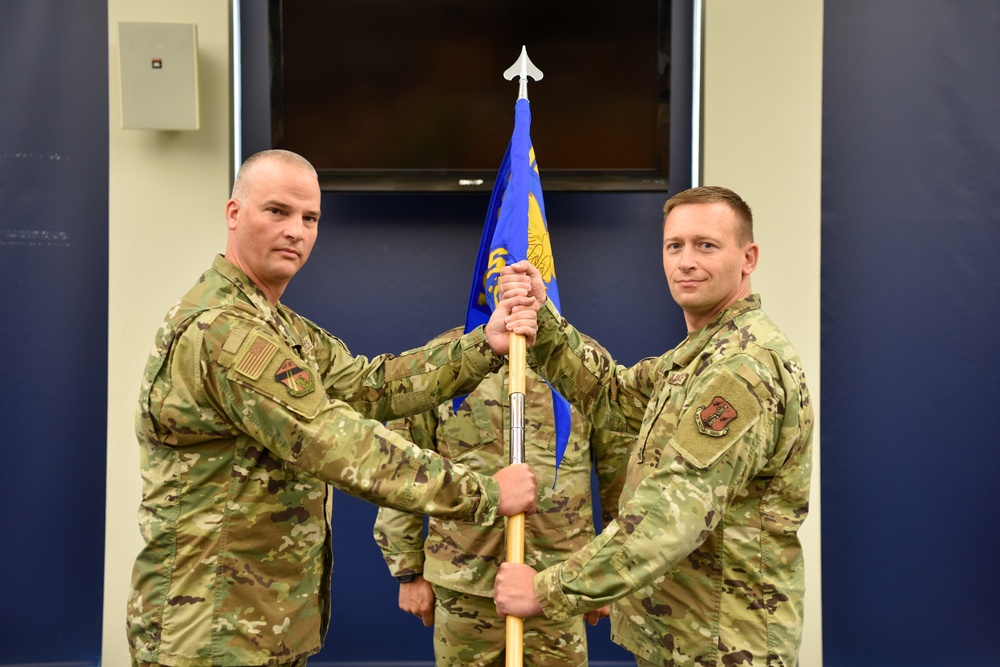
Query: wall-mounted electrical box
x=159, y=75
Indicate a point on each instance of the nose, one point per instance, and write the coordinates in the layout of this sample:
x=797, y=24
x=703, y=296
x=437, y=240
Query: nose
x=293, y=230
x=685, y=259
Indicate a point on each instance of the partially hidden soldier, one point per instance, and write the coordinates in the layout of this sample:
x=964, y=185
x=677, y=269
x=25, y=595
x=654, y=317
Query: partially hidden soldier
x=447, y=578
x=247, y=412
x=703, y=565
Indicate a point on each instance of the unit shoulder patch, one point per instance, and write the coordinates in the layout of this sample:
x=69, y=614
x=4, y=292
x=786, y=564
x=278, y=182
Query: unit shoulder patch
x=299, y=381
x=714, y=419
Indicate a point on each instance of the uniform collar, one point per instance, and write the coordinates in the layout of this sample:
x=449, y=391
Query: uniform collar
x=696, y=341
x=272, y=312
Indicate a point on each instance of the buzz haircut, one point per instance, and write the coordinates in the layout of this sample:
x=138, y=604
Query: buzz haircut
x=244, y=182
x=714, y=194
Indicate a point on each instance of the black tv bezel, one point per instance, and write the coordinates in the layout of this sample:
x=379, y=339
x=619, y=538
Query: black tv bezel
x=671, y=176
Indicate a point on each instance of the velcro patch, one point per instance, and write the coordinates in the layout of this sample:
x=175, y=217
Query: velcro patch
x=269, y=368
x=253, y=358
x=721, y=412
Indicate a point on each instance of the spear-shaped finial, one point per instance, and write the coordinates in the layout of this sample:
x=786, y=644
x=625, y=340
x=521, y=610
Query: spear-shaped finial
x=523, y=68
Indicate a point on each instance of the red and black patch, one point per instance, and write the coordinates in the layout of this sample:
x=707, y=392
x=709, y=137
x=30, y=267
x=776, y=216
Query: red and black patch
x=297, y=380
x=714, y=419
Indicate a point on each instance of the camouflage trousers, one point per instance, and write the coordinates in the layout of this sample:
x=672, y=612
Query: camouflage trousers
x=468, y=632
x=143, y=663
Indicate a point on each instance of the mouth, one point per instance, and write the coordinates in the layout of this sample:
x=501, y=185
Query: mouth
x=288, y=252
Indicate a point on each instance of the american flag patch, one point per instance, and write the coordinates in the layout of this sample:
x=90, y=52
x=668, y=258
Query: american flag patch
x=254, y=358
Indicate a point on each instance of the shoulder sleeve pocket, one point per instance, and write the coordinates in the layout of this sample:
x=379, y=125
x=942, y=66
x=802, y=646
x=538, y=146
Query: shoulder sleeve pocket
x=719, y=414
x=269, y=368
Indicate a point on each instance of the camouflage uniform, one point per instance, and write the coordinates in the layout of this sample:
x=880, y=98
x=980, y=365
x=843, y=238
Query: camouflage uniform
x=704, y=558
x=463, y=558
x=246, y=412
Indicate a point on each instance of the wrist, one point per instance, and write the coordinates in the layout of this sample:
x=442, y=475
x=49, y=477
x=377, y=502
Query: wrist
x=407, y=578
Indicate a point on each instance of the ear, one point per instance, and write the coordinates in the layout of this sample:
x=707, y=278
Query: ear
x=232, y=213
x=750, y=256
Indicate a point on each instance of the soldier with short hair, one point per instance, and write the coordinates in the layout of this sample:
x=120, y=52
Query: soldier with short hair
x=703, y=565
x=447, y=579
x=247, y=412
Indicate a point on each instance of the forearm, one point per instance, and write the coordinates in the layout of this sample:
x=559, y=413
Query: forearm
x=363, y=458
x=585, y=375
x=388, y=386
x=654, y=531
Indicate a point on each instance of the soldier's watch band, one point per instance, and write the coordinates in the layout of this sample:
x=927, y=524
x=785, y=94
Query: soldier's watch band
x=406, y=578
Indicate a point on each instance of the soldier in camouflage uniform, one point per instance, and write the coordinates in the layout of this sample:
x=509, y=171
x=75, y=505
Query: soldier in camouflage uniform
x=248, y=411
x=703, y=564
x=456, y=564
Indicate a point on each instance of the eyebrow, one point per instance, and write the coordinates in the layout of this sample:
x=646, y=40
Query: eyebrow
x=277, y=203
x=697, y=239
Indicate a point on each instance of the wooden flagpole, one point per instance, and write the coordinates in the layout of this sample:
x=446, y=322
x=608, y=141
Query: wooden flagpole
x=517, y=360
x=515, y=524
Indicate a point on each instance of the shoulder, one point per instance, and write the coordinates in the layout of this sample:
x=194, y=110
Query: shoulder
x=307, y=328
x=760, y=339
x=754, y=351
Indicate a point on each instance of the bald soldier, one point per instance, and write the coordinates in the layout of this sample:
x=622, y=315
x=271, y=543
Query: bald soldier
x=703, y=564
x=247, y=412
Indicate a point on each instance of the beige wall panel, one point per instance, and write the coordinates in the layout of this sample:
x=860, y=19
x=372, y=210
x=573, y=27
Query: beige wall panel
x=762, y=131
x=167, y=191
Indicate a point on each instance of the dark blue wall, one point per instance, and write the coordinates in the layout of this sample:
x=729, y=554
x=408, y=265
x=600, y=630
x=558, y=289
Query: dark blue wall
x=53, y=346
x=910, y=314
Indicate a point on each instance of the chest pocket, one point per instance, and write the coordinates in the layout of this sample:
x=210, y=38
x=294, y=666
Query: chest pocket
x=659, y=423
x=469, y=432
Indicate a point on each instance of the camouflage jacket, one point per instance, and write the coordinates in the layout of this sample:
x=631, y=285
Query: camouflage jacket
x=704, y=559
x=465, y=557
x=246, y=412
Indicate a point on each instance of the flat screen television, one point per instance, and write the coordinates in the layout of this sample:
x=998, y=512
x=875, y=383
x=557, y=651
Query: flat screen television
x=407, y=95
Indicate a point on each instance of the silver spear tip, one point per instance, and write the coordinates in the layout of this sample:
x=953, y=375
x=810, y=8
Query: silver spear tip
x=522, y=69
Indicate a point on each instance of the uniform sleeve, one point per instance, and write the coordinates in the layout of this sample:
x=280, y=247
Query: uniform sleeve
x=266, y=391
x=611, y=451
x=610, y=396
x=387, y=386
x=400, y=535
x=686, y=486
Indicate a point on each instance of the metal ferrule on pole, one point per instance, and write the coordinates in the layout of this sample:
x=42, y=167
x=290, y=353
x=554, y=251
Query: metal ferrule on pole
x=517, y=428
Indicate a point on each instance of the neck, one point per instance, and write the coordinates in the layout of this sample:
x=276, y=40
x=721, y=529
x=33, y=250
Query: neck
x=271, y=292
x=695, y=321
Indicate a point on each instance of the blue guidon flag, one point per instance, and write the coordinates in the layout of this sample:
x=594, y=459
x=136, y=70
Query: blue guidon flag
x=515, y=229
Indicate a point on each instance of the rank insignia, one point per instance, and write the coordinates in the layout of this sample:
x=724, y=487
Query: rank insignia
x=714, y=419
x=677, y=378
x=298, y=381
